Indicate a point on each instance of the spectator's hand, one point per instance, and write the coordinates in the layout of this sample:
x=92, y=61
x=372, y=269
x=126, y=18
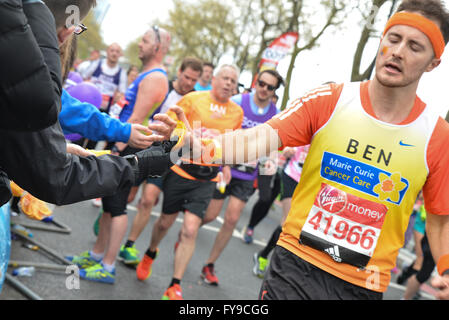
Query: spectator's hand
x=288, y=152
x=181, y=116
x=141, y=137
x=164, y=128
x=77, y=150
x=120, y=146
x=441, y=283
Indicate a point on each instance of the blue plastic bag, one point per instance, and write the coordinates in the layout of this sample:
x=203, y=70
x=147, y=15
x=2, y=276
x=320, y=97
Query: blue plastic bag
x=5, y=242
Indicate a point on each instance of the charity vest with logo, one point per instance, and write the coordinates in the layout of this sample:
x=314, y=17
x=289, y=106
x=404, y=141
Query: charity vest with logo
x=107, y=84
x=358, y=186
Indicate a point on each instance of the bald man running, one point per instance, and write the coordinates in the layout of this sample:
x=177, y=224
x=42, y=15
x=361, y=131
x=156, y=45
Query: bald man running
x=108, y=76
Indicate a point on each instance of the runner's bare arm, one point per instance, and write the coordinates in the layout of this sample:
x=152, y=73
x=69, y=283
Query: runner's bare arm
x=152, y=91
x=242, y=146
x=437, y=229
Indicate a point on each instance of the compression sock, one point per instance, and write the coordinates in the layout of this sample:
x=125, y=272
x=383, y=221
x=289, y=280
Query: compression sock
x=151, y=254
x=272, y=243
x=174, y=281
x=129, y=244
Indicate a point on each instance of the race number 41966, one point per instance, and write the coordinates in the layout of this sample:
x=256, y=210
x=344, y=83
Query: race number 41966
x=344, y=226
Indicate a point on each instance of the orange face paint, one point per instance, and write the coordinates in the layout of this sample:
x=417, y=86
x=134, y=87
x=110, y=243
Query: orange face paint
x=384, y=51
x=428, y=27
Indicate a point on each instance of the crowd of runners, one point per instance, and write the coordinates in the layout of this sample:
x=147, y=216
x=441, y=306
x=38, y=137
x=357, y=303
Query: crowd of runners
x=347, y=162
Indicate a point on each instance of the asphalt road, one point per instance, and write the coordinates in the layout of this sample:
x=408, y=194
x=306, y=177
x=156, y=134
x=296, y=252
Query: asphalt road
x=234, y=267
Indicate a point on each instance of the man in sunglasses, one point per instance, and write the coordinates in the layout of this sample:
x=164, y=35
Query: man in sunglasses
x=257, y=109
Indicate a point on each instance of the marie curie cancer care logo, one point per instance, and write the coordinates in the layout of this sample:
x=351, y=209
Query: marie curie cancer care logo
x=385, y=186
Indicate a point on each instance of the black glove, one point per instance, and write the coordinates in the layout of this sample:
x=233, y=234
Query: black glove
x=154, y=161
x=5, y=188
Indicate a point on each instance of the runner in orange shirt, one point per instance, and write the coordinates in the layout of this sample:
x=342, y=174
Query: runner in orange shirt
x=373, y=147
x=189, y=187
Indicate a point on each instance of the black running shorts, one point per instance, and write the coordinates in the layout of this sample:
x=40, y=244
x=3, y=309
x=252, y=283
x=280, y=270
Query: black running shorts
x=241, y=189
x=182, y=194
x=288, y=186
x=291, y=278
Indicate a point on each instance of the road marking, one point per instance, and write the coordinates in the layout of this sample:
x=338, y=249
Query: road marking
x=236, y=234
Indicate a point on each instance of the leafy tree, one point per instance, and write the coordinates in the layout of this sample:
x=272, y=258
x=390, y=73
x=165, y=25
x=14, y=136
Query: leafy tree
x=299, y=21
x=203, y=29
x=91, y=39
x=369, y=14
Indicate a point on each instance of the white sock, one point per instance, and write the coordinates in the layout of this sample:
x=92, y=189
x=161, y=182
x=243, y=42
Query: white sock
x=96, y=256
x=109, y=267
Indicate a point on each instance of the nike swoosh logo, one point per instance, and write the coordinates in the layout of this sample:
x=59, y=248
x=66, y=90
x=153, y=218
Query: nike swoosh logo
x=405, y=144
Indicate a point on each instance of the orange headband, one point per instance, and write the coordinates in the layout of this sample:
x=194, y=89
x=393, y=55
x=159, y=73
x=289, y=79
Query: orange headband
x=428, y=27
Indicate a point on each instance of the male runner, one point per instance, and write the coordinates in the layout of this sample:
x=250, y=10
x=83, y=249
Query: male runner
x=188, y=74
x=144, y=96
x=257, y=108
x=108, y=76
x=189, y=187
x=204, y=82
x=290, y=176
x=374, y=146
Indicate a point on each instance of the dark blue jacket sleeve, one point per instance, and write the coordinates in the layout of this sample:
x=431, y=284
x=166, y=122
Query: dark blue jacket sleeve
x=86, y=120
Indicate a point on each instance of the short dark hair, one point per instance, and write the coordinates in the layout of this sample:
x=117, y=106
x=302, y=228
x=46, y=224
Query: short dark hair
x=192, y=63
x=59, y=7
x=275, y=74
x=208, y=64
x=431, y=9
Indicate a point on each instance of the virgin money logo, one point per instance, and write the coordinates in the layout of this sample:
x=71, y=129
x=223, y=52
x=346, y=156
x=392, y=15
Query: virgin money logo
x=332, y=200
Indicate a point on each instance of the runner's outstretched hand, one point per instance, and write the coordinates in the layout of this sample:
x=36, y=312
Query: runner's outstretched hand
x=441, y=283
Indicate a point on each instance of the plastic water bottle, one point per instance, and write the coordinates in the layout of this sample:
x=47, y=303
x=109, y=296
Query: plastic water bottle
x=23, y=272
x=22, y=230
x=221, y=184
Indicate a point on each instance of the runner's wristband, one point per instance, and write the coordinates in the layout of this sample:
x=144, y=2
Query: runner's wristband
x=443, y=265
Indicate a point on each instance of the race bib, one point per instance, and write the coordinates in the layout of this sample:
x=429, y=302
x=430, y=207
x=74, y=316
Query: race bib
x=344, y=226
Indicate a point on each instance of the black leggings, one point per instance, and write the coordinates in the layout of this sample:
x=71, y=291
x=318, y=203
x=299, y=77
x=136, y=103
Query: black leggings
x=272, y=243
x=269, y=188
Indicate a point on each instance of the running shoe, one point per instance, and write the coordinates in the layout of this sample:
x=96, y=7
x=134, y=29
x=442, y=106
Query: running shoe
x=208, y=275
x=260, y=265
x=98, y=273
x=173, y=293
x=248, y=235
x=84, y=260
x=144, y=268
x=129, y=255
x=96, y=202
x=97, y=223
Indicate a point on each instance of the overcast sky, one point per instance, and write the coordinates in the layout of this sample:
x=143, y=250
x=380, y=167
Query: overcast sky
x=331, y=61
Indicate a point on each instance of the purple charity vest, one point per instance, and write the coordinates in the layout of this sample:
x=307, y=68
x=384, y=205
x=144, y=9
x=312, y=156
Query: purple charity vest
x=250, y=120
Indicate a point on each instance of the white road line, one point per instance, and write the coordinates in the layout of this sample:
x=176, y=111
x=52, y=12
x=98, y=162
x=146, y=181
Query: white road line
x=236, y=234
